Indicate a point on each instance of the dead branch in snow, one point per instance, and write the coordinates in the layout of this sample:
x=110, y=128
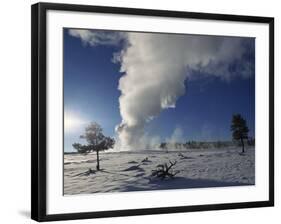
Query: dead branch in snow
x=165, y=170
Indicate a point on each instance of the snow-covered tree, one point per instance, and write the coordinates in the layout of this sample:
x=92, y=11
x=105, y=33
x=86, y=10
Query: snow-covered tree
x=96, y=141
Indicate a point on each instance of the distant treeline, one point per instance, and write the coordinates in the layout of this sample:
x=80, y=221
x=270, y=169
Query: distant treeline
x=198, y=145
x=204, y=144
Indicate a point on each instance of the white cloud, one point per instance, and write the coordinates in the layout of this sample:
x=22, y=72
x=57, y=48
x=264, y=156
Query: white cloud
x=94, y=38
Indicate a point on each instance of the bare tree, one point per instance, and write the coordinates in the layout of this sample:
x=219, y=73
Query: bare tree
x=96, y=141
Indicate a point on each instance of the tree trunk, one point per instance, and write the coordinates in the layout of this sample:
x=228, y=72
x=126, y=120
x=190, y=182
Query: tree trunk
x=98, y=160
x=243, y=150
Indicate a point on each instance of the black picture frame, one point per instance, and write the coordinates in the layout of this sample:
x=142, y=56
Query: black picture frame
x=39, y=122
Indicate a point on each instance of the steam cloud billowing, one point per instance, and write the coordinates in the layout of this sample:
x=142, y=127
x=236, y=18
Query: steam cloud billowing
x=155, y=68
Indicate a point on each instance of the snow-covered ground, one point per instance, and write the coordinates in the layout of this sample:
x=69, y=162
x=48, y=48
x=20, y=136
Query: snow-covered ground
x=125, y=171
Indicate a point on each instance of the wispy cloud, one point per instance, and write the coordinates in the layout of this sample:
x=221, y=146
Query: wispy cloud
x=94, y=38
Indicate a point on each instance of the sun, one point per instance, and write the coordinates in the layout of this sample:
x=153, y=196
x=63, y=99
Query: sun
x=72, y=122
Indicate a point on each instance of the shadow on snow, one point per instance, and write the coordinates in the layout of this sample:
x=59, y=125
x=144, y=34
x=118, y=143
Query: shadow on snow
x=180, y=183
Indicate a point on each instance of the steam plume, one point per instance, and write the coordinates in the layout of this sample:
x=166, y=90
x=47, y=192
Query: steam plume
x=155, y=68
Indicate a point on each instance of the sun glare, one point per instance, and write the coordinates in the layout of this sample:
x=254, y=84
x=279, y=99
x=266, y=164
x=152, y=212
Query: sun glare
x=72, y=122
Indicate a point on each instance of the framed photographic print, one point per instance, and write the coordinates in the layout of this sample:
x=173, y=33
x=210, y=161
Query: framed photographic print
x=138, y=111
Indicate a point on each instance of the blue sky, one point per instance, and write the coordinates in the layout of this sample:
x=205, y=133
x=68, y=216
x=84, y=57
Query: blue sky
x=203, y=112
